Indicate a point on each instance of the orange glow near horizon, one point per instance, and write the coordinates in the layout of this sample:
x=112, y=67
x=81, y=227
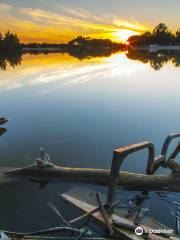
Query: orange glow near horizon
x=37, y=25
x=51, y=36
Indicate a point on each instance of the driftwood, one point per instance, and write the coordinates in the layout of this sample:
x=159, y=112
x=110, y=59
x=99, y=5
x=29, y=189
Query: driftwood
x=126, y=180
x=44, y=171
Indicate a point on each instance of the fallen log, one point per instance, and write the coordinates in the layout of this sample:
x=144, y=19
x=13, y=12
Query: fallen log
x=126, y=180
x=45, y=171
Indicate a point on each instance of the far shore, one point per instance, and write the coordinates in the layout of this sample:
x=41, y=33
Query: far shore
x=41, y=49
x=156, y=47
x=152, y=47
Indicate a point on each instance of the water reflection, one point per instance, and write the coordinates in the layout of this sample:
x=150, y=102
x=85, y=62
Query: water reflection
x=66, y=70
x=2, y=131
x=13, y=58
x=156, y=59
x=80, y=111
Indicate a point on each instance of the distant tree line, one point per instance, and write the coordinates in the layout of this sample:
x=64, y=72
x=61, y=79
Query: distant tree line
x=80, y=43
x=85, y=47
x=92, y=43
x=42, y=46
x=9, y=41
x=160, y=35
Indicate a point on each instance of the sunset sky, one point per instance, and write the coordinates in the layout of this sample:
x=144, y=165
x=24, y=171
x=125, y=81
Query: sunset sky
x=61, y=20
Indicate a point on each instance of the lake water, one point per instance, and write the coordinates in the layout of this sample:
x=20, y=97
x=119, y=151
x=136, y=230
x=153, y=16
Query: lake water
x=79, y=111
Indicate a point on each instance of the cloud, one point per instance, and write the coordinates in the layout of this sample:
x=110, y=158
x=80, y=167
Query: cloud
x=44, y=25
x=81, y=13
x=129, y=25
x=5, y=7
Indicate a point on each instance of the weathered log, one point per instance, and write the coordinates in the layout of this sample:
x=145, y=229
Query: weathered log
x=126, y=180
x=44, y=171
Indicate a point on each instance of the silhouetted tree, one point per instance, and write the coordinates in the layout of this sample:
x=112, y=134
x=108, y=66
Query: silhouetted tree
x=160, y=35
x=161, y=28
x=11, y=41
x=177, y=37
x=1, y=40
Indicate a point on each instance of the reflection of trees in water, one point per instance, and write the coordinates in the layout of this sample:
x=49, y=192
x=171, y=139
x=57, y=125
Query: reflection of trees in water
x=176, y=61
x=156, y=59
x=82, y=53
x=14, y=58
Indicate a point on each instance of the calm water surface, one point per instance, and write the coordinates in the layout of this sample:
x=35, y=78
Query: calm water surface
x=79, y=111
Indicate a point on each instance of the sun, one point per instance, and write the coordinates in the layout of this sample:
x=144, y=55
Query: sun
x=123, y=34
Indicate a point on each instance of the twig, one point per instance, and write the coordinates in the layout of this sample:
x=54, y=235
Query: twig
x=49, y=230
x=104, y=214
x=68, y=238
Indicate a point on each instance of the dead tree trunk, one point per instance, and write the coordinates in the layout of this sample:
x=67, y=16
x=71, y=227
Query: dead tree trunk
x=126, y=180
